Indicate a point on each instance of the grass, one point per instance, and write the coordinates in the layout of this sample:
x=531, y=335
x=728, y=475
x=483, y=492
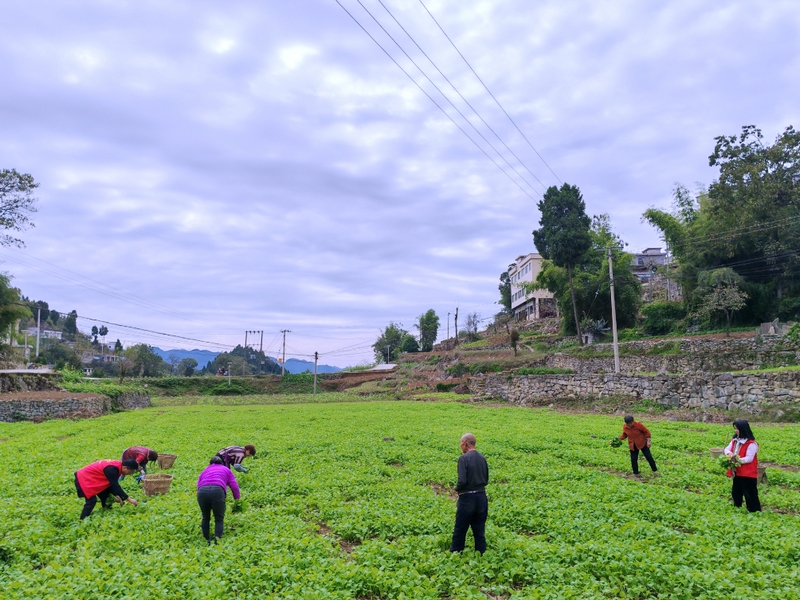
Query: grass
x=352, y=500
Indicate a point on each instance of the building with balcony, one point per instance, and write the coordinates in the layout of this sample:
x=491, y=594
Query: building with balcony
x=531, y=305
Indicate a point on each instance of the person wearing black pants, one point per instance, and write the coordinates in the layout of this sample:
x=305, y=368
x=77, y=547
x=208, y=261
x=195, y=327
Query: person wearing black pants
x=473, y=506
x=745, y=476
x=638, y=437
x=212, y=487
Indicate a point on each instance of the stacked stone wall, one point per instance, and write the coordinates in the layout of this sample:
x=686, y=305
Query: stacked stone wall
x=747, y=392
x=28, y=382
x=62, y=405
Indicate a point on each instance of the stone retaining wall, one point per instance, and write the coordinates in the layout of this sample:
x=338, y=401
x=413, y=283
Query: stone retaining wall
x=700, y=355
x=28, y=382
x=62, y=405
x=748, y=392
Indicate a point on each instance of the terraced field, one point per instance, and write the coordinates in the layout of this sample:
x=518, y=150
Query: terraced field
x=353, y=500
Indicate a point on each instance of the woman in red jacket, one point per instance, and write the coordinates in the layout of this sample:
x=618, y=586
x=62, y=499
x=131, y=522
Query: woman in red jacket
x=101, y=479
x=745, y=478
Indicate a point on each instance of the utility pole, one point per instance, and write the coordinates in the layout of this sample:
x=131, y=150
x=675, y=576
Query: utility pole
x=38, y=328
x=283, y=361
x=244, y=354
x=261, y=354
x=316, y=358
x=455, y=326
x=613, y=312
x=229, y=373
x=448, y=326
x=388, y=353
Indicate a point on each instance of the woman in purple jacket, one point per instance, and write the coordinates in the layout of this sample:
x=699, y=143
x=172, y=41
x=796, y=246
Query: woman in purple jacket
x=211, y=491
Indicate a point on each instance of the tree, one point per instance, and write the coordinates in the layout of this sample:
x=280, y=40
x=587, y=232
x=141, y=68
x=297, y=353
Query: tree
x=409, y=344
x=173, y=361
x=505, y=290
x=387, y=346
x=471, y=327
x=144, y=361
x=591, y=289
x=513, y=339
x=10, y=309
x=16, y=204
x=187, y=366
x=117, y=347
x=428, y=326
x=748, y=220
x=71, y=324
x=720, y=293
x=55, y=316
x=563, y=236
x=94, y=333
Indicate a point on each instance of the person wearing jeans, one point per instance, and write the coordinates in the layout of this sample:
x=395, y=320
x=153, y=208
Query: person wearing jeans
x=212, y=488
x=638, y=437
x=473, y=506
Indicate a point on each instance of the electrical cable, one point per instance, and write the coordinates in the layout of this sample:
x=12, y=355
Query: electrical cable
x=474, y=110
x=434, y=101
x=488, y=90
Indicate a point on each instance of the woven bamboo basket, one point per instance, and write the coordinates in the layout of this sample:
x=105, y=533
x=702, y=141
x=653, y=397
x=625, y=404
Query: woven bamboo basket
x=716, y=452
x=165, y=461
x=156, y=483
x=762, y=474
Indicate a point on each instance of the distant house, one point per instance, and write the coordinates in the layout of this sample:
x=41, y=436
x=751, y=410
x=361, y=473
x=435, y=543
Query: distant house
x=645, y=262
x=531, y=305
x=45, y=333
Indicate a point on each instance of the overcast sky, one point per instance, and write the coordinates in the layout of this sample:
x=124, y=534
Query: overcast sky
x=208, y=168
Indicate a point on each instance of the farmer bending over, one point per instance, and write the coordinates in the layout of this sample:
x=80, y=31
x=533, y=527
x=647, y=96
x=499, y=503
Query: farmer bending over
x=141, y=454
x=101, y=479
x=232, y=456
x=638, y=437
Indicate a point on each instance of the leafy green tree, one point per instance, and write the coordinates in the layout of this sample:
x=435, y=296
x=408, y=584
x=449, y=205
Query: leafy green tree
x=563, y=236
x=409, y=344
x=10, y=309
x=144, y=361
x=187, y=366
x=94, y=333
x=720, y=292
x=428, y=326
x=71, y=324
x=748, y=220
x=16, y=204
x=117, y=347
x=591, y=289
x=387, y=346
x=505, y=290
x=55, y=316
x=513, y=339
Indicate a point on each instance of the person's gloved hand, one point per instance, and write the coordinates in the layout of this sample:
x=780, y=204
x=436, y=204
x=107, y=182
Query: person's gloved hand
x=241, y=469
x=139, y=478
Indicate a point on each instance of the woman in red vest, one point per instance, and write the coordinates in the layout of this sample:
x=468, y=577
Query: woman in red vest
x=745, y=478
x=101, y=479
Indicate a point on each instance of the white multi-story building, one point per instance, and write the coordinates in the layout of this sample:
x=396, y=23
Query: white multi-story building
x=531, y=305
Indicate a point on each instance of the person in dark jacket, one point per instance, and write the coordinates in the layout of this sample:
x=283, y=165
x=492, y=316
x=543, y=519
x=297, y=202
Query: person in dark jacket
x=638, y=437
x=473, y=506
x=211, y=491
x=100, y=480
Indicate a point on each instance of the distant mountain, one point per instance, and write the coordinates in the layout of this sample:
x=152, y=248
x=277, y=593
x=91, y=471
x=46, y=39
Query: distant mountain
x=295, y=365
x=203, y=357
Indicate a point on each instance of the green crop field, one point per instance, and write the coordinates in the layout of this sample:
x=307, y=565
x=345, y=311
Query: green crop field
x=332, y=510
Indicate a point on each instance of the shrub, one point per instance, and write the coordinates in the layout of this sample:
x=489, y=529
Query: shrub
x=662, y=317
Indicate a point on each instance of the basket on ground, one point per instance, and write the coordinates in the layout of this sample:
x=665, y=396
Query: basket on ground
x=761, y=474
x=156, y=483
x=165, y=461
x=716, y=452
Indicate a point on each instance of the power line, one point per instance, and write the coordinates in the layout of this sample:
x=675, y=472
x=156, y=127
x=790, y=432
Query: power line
x=488, y=90
x=434, y=101
x=161, y=333
x=474, y=110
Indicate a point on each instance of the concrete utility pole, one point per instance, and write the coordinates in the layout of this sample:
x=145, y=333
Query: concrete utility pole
x=283, y=360
x=229, y=374
x=613, y=312
x=388, y=353
x=38, y=328
x=316, y=358
x=448, y=326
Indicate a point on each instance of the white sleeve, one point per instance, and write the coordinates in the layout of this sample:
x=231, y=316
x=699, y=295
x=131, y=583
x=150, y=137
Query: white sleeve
x=750, y=455
x=729, y=450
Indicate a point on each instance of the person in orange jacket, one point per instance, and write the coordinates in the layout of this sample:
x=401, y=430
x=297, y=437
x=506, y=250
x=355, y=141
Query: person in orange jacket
x=101, y=479
x=638, y=437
